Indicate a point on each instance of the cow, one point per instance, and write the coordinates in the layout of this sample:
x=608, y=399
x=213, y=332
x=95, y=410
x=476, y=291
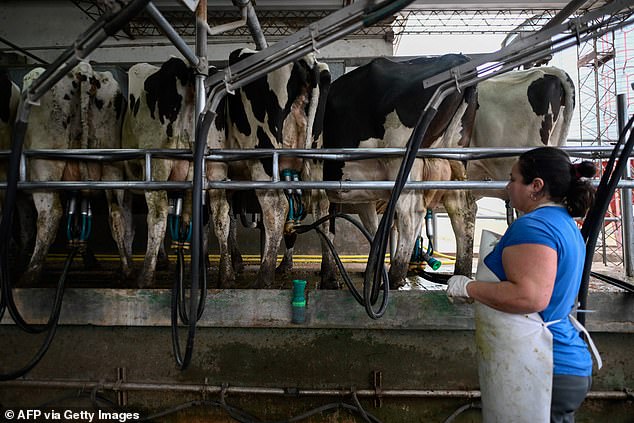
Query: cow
x=377, y=106
x=284, y=109
x=82, y=110
x=161, y=116
x=528, y=108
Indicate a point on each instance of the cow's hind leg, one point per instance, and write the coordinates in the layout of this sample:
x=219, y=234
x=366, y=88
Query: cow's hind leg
x=156, y=224
x=119, y=218
x=220, y=216
x=49, y=213
x=408, y=224
x=274, y=211
x=461, y=208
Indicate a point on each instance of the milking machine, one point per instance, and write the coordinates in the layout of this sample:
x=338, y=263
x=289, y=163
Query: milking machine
x=78, y=220
x=420, y=256
x=296, y=211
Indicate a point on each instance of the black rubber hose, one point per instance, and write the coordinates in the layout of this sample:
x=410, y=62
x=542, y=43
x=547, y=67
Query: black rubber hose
x=51, y=325
x=381, y=239
x=593, y=222
x=342, y=270
x=182, y=297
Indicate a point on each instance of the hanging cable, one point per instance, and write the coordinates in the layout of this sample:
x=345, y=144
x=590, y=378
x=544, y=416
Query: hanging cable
x=50, y=326
x=593, y=221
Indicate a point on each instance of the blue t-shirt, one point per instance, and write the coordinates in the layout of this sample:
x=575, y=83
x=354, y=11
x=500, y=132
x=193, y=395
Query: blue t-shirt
x=553, y=227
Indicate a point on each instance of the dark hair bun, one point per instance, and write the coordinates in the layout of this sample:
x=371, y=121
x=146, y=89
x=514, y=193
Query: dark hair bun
x=585, y=169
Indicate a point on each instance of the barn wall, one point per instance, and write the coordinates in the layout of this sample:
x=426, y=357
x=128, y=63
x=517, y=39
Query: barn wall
x=245, y=339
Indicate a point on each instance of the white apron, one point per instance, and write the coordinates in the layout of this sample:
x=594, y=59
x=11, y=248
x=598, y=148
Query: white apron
x=515, y=357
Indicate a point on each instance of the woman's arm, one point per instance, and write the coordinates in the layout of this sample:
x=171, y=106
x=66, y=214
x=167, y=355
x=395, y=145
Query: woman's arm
x=531, y=270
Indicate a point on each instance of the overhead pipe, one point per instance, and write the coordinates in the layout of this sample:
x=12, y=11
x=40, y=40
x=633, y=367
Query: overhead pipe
x=172, y=35
x=229, y=26
x=253, y=23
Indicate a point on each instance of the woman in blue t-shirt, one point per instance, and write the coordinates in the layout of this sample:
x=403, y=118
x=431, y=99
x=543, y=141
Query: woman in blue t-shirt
x=539, y=262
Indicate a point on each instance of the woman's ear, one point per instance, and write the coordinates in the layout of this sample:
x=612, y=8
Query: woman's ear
x=537, y=184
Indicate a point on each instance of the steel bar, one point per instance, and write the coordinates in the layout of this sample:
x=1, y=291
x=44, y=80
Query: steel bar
x=202, y=388
x=627, y=220
x=462, y=154
x=244, y=185
x=172, y=35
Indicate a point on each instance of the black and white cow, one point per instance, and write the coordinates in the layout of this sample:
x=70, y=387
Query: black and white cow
x=161, y=116
x=83, y=110
x=529, y=108
x=377, y=106
x=282, y=110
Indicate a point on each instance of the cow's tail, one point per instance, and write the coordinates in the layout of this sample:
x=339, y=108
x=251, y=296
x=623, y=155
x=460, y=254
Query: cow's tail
x=312, y=112
x=83, y=75
x=560, y=133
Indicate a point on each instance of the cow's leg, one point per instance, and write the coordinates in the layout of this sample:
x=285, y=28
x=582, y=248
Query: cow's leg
x=236, y=256
x=25, y=230
x=274, y=211
x=369, y=217
x=119, y=220
x=328, y=270
x=286, y=265
x=49, y=213
x=220, y=217
x=461, y=208
x=408, y=224
x=156, y=224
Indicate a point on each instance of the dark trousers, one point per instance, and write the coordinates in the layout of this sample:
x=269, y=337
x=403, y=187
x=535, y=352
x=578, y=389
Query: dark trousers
x=568, y=394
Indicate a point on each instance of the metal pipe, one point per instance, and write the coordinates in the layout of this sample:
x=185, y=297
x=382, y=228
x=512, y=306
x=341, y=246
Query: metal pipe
x=122, y=385
x=345, y=154
x=148, y=167
x=244, y=185
x=254, y=24
x=255, y=28
x=219, y=29
x=171, y=34
x=276, y=167
x=626, y=198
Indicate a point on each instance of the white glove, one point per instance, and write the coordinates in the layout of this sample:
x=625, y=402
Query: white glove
x=457, y=289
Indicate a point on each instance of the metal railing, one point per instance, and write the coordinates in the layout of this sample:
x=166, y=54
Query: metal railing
x=228, y=155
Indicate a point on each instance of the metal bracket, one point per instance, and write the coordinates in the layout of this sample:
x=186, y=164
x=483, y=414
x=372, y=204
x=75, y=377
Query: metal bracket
x=377, y=384
x=314, y=33
x=122, y=396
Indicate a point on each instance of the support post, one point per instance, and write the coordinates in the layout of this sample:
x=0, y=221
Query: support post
x=626, y=199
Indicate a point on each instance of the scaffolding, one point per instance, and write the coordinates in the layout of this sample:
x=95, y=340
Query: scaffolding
x=605, y=70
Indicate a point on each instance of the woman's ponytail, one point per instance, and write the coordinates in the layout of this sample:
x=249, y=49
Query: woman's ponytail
x=580, y=195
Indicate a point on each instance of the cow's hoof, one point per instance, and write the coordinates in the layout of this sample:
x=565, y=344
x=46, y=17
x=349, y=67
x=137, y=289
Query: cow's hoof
x=227, y=284
x=143, y=283
x=329, y=284
x=237, y=264
x=397, y=285
x=263, y=284
x=163, y=264
x=28, y=280
x=284, y=268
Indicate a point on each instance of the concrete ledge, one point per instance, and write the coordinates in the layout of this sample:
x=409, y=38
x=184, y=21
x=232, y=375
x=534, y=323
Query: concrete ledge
x=410, y=310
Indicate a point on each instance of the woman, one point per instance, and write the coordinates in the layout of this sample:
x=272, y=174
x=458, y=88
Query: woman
x=539, y=263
